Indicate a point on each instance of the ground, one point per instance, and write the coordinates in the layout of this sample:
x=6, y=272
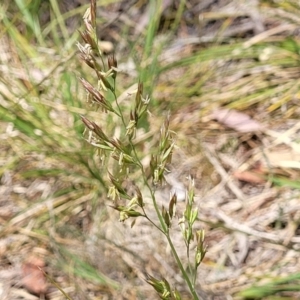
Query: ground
x=227, y=75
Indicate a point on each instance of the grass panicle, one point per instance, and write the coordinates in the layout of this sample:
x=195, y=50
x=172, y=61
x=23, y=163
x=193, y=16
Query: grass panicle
x=124, y=152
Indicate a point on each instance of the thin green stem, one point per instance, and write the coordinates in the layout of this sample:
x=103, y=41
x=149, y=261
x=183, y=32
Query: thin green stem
x=146, y=216
x=161, y=221
x=164, y=229
x=194, y=275
x=183, y=272
x=178, y=16
x=120, y=111
x=191, y=271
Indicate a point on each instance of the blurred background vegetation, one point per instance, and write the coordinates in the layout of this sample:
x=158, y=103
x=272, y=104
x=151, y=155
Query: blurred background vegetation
x=193, y=57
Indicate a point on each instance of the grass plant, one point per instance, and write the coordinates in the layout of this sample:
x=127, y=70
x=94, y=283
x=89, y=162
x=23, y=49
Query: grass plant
x=123, y=150
x=53, y=185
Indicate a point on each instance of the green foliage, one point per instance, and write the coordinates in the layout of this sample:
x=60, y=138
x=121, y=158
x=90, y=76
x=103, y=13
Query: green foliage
x=287, y=284
x=280, y=181
x=84, y=269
